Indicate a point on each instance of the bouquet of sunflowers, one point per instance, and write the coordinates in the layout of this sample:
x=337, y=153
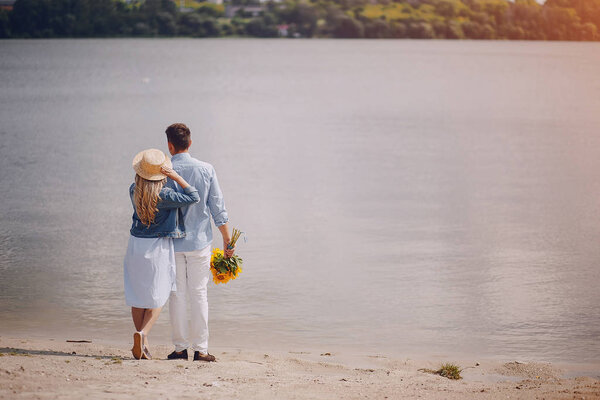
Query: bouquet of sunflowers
x=225, y=269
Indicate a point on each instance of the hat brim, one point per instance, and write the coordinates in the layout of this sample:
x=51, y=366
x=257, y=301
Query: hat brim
x=138, y=168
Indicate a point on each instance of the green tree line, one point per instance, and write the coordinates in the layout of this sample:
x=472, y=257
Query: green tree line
x=442, y=19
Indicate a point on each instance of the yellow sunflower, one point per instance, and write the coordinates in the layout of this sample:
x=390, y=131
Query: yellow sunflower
x=215, y=252
x=223, y=273
x=239, y=271
x=221, y=278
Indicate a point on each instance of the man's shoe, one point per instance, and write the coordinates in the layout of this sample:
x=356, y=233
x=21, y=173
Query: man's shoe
x=203, y=357
x=178, y=355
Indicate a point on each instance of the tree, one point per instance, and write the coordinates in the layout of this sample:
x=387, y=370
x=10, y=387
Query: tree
x=4, y=24
x=212, y=10
x=475, y=30
x=588, y=10
x=190, y=24
x=398, y=30
x=376, y=29
x=26, y=18
x=448, y=8
x=261, y=27
x=166, y=24
x=142, y=29
x=561, y=23
x=497, y=10
x=589, y=31
x=210, y=27
x=348, y=27
x=420, y=30
x=455, y=19
x=454, y=30
x=515, y=33
x=305, y=17
x=448, y=30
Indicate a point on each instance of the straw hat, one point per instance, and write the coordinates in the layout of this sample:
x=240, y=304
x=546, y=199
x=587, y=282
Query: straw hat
x=147, y=164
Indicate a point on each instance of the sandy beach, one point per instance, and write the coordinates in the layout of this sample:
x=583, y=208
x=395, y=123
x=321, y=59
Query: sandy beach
x=56, y=369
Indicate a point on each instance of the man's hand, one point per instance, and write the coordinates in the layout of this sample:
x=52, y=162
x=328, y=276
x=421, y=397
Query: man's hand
x=227, y=250
x=224, y=229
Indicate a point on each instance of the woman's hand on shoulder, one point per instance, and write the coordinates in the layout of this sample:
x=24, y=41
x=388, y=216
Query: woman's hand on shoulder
x=169, y=172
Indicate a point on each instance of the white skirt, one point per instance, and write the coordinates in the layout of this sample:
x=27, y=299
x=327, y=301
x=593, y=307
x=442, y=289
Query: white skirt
x=149, y=271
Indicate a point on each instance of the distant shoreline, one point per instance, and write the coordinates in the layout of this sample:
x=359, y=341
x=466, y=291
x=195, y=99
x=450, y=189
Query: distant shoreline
x=570, y=20
x=278, y=39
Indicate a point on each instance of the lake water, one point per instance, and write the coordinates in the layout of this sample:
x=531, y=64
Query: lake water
x=399, y=197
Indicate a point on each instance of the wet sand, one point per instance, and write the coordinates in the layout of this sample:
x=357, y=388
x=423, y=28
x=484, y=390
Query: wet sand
x=55, y=369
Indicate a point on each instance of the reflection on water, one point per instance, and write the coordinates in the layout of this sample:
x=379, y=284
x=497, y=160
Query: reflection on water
x=399, y=196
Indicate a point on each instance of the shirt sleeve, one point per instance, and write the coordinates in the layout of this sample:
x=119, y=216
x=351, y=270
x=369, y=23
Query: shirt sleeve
x=171, y=184
x=216, y=203
x=169, y=198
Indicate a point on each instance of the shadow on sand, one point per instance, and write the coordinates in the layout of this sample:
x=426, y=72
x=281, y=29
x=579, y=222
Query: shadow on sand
x=26, y=352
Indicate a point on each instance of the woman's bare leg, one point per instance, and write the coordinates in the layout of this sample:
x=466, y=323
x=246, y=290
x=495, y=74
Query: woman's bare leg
x=150, y=317
x=137, y=314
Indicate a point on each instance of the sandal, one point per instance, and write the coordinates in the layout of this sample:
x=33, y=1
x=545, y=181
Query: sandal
x=137, y=345
x=146, y=354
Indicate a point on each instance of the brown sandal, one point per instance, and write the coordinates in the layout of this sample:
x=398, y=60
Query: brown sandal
x=137, y=346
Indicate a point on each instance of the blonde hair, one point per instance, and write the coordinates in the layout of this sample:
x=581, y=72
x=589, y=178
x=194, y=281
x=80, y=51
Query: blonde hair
x=145, y=198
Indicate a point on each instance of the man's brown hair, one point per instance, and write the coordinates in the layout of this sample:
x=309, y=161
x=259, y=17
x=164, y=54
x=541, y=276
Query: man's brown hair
x=179, y=136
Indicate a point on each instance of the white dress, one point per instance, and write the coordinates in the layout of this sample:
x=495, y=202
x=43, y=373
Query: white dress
x=149, y=271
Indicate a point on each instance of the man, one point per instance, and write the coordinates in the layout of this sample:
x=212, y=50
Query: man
x=192, y=253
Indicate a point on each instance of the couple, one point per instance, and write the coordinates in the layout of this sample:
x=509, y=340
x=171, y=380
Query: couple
x=168, y=255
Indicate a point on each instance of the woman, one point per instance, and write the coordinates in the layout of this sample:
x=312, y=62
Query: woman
x=149, y=267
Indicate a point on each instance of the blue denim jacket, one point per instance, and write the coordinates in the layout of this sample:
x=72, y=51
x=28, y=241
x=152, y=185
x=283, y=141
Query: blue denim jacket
x=168, y=221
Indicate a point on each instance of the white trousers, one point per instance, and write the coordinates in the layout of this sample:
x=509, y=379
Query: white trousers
x=193, y=273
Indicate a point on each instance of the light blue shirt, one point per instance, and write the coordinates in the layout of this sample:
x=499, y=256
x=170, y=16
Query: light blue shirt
x=196, y=217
